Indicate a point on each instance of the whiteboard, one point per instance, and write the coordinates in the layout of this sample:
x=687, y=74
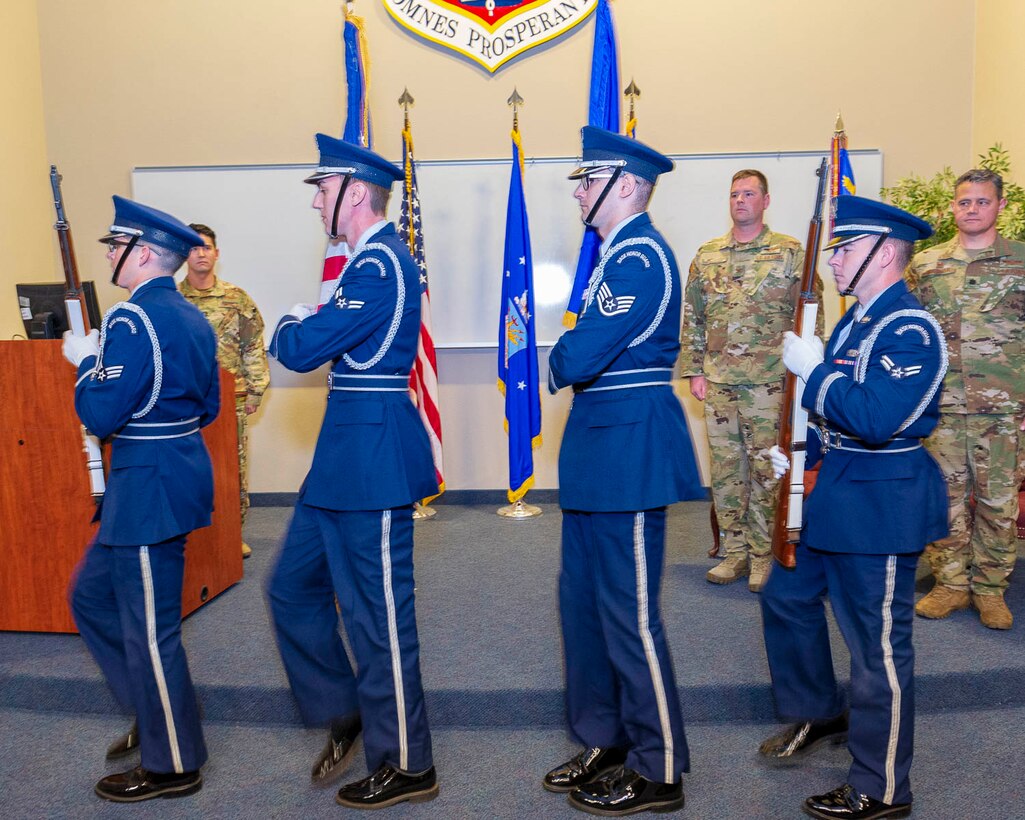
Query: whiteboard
x=272, y=245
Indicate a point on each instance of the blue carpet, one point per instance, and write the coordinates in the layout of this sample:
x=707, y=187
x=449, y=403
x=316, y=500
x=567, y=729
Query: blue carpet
x=492, y=667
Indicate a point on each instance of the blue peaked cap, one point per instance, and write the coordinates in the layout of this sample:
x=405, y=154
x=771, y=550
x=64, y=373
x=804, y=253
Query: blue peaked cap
x=604, y=148
x=152, y=227
x=857, y=217
x=340, y=157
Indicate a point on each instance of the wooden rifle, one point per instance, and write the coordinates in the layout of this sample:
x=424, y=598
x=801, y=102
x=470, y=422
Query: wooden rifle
x=78, y=321
x=793, y=422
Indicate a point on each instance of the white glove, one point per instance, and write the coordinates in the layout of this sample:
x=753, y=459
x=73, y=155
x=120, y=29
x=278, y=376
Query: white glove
x=302, y=311
x=801, y=357
x=77, y=348
x=780, y=462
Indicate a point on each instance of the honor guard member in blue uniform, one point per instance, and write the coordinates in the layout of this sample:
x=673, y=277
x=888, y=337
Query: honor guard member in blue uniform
x=626, y=454
x=351, y=535
x=878, y=500
x=148, y=382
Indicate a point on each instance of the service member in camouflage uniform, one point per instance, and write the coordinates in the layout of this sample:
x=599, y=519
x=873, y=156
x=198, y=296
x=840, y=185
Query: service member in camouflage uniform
x=741, y=295
x=975, y=286
x=238, y=326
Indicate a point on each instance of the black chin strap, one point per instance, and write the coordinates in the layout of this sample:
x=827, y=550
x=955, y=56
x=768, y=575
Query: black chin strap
x=338, y=206
x=589, y=219
x=117, y=268
x=849, y=291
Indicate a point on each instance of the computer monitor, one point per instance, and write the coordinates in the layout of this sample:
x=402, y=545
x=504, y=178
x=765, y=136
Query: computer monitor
x=43, y=312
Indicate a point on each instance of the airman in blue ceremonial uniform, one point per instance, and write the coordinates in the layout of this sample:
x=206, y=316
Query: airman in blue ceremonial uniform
x=878, y=500
x=148, y=381
x=351, y=535
x=626, y=455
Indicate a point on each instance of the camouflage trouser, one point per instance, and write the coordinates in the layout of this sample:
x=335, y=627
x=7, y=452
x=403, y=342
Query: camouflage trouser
x=979, y=456
x=742, y=422
x=243, y=446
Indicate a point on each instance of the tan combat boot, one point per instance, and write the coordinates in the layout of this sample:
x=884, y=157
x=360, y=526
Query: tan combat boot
x=941, y=601
x=732, y=568
x=993, y=612
x=760, y=566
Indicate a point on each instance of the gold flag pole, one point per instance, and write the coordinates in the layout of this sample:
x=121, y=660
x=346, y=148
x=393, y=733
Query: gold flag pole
x=839, y=141
x=632, y=93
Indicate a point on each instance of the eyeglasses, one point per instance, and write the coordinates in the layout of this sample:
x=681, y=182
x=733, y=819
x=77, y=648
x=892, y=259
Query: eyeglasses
x=114, y=244
x=585, y=182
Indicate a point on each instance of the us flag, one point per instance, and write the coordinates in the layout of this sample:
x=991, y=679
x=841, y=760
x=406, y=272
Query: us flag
x=423, y=380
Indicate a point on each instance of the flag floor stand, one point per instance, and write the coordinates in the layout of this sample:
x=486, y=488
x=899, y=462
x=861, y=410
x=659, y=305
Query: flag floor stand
x=421, y=512
x=519, y=510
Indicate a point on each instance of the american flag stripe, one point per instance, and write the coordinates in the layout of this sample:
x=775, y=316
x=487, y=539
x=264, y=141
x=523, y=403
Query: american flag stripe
x=423, y=380
x=335, y=257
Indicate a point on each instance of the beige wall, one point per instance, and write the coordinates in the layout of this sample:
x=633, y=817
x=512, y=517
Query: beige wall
x=26, y=217
x=189, y=82
x=249, y=81
x=999, y=99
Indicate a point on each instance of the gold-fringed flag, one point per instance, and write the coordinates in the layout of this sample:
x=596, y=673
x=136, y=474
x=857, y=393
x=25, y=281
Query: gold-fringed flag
x=423, y=381
x=517, y=344
x=357, y=131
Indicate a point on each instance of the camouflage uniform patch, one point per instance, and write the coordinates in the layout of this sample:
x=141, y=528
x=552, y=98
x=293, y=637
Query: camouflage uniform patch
x=743, y=422
x=238, y=325
x=980, y=304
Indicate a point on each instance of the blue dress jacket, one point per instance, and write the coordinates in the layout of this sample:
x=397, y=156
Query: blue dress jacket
x=372, y=452
x=153, y=385
x=871, y=402
x=626, y=446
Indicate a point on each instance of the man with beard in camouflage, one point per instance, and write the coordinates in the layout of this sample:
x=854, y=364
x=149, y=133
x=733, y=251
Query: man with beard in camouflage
x=975, y=286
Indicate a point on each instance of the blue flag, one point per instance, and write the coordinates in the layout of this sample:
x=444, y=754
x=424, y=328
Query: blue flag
x=517, y=344
x=357, y=108
x=603, y=112
x=847, y=185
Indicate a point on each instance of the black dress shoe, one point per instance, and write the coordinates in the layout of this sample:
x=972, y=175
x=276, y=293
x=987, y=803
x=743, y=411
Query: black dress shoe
x=388, y=786
x=342, y=745
x=124, y=745
x=799, y=739
x=624, y=791
x=585, y=767
x=848, y=803
x=140, y=784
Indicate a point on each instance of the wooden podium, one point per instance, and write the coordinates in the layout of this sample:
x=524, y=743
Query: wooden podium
x=45, y=505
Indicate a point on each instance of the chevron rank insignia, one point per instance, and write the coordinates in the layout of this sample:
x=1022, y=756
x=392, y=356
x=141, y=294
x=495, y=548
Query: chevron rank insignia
x=611, y=305
x=898, y=372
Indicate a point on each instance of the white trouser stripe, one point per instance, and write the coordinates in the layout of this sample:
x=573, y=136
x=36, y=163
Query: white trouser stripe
x=891, y=677
x=154, y=654
x=393, y=639
x=649, y=646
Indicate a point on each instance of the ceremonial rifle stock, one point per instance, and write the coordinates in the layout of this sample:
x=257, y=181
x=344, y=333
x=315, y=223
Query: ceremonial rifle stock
x=793, y=421
x=78, y=321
